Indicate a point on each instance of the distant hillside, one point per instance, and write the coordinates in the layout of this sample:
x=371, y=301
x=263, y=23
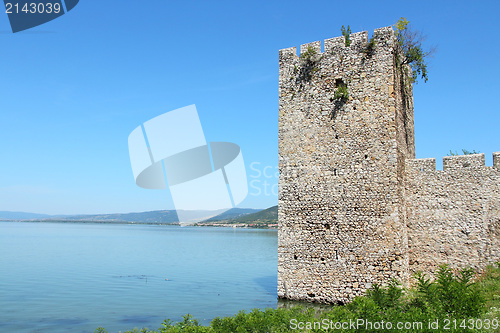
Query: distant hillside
x=158, y=216
x=21, y=216
x=264, y=218
x=267, y=215
x=235, y=213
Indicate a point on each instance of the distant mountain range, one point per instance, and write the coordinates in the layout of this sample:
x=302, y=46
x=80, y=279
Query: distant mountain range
x=158, y=216
x=263, y=218
x=22, y=216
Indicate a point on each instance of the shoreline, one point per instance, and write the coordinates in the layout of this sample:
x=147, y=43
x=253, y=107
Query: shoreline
x=237, y=225
x=202, y=224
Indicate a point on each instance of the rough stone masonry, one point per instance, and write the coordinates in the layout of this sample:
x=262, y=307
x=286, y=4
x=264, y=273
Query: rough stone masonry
x=355, y=206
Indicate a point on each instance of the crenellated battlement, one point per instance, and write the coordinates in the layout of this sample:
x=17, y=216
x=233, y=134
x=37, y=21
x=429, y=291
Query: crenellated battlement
x=421, y=164
x=496, y=160
x=453, y=162
x=316, y=46
x=333, y=45
x=463, y=161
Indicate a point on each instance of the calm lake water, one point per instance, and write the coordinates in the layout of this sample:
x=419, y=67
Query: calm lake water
x=58, y=277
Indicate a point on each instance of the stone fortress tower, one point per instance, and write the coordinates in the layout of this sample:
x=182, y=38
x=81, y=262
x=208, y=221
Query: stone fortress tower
x=355, y=207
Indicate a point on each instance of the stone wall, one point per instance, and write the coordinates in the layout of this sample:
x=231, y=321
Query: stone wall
x=355, y=207
x=341, y=213
x=454, y=213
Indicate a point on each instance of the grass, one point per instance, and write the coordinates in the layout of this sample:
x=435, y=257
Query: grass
x=453, y=302
x=490, y=288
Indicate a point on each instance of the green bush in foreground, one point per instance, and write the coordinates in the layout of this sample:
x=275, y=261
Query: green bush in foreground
x=450, y=303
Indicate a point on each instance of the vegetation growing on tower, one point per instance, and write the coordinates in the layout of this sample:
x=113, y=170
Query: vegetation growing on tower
x=308, y=65
x=346, y=33
x=413, y=54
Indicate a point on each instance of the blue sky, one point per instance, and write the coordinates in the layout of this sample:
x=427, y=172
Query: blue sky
x=73, y=89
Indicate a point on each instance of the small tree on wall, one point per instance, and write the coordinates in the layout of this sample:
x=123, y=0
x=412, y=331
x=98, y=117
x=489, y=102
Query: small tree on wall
x=465, y=152
x=413, y=53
